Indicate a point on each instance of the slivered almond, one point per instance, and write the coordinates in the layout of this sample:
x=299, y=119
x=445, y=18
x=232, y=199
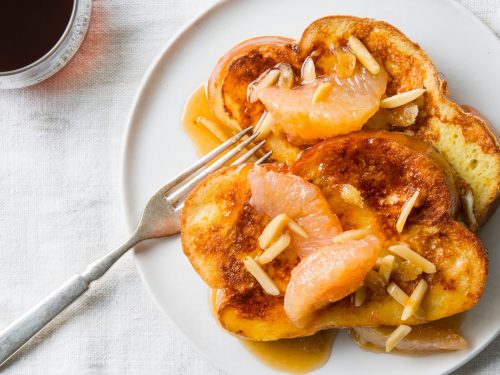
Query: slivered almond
x=396, y=336
x=321, y=91
x=401, y=98
x=273, y=230
x=286, y=76
x=261, y=276
x=397, y=293
x=405, y=211
x=274, y=249
x=296, y=228
x=404, y=251
x=360, y=296
x=351, y=195
x=213, y=127
x=386, y=267
x=413, y=303
x=469, y=208
x=364, y=56
x=401, y=297
x=269, y=79
x=308, y=71
x=265, y=125
x=349, y=235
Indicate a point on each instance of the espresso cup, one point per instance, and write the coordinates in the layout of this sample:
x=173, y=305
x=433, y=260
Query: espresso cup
x=37, y=42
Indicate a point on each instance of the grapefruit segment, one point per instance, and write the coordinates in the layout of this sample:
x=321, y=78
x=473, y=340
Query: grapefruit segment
x=345, y=108
x=275, y=193
x=328, y=275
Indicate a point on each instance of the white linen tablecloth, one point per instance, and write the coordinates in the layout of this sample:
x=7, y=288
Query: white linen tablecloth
x=59, y=209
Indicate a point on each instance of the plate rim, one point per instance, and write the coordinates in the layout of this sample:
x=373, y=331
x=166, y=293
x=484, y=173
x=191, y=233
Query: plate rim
x=126, y=144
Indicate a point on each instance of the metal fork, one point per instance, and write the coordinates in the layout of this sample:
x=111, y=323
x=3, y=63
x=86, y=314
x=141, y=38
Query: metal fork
x=161, y=218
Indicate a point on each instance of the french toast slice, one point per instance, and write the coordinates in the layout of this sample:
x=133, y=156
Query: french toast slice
x=220, y=228
x=242, y=65
x=463, y=138
x=386, y=168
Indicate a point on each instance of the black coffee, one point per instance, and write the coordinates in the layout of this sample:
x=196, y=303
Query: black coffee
x=29, y=29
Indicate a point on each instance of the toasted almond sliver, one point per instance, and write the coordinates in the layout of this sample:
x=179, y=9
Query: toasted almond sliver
x=401, y=98
x=386, y=267
x=321, y=91
x=364, y=56
x=265, y=125
x=469, y=208
x=401, y=297
x=360, y=296
x=308, y=71
x=405, y=211
x=397, y=293
x=261, y=276
x=348, y=235
x=404, y=251
x=275, y=249
x=213, y=127
x=273, y=230
x=413, y=303
x=396, y=336
x=269, y=79
x=351, y=195
x=286, y=76
x=296, y=228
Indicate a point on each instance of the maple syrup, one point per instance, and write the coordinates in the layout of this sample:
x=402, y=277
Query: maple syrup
x=298, y=355
x=197, y=106
x=29, y=29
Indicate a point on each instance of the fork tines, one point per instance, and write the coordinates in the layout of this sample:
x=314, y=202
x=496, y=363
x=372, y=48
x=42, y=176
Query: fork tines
x=187, y=180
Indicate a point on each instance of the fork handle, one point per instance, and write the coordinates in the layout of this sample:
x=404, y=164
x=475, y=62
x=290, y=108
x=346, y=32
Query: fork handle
x=19, y=332
x=14, y=336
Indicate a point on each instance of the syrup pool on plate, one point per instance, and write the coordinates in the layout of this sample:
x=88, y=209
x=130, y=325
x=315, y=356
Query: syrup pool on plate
x=203, y=128
x=297, y=355
x=197, y=106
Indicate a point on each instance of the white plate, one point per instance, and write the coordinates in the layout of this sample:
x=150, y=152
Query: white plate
x=156, y=149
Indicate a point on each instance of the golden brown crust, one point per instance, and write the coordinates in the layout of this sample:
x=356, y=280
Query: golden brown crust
x=386, y=169
x=465, y=279
x=243, y=64
x=218, y=228
x=228, y=83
